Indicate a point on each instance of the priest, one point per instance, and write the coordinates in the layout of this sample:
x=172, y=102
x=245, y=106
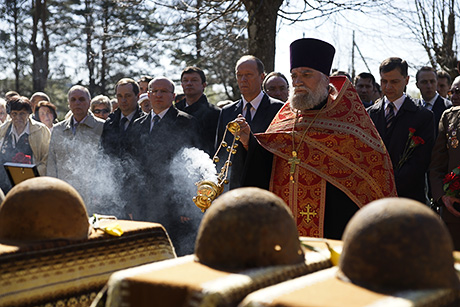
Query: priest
x=328, y=158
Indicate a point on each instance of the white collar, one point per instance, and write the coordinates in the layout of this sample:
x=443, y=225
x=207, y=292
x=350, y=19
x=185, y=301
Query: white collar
x=431, y=102
x=398, y=102
x=15, y=133
x=255, y=102
x=74, y=121
x=129, y=116
x=161, y=114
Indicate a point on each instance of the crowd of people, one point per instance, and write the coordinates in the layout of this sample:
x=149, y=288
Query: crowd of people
x=323, y=145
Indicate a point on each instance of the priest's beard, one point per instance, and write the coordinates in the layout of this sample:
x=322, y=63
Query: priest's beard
x=311, y=98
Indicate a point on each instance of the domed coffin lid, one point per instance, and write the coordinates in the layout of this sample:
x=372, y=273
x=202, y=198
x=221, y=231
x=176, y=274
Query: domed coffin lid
x=397, y=244
x=247, y=228
x=43, y=208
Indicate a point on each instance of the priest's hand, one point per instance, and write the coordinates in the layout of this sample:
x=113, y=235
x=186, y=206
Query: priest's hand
x=449, y=203
x=245, y=130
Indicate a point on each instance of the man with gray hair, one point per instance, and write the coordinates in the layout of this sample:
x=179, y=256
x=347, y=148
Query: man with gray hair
x=156, y=139
x=73, y=141
x=328, y=158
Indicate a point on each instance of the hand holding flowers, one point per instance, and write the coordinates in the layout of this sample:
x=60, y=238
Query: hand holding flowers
x=412, y=142
x=452, y=189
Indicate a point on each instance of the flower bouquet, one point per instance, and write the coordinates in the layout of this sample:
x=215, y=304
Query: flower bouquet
x=412, y=142
x=452, y=185
x=22, y=158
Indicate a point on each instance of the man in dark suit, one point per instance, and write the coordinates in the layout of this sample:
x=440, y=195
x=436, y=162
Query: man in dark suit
x=195, y=103
x=365, y=86
x=157, y=138
x=444, y=82
x=258, y=109
x=427, y=83
x=114, y=141
x=402, y=122
x=117, y=126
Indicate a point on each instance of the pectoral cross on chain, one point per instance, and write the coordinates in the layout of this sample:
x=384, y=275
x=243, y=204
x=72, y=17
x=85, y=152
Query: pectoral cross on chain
x=293, y=161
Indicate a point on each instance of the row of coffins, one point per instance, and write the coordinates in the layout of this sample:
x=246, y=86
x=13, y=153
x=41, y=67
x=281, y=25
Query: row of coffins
x=395, y=252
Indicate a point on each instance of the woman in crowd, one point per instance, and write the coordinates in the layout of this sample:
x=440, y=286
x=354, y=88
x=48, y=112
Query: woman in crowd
x=45, y=112
x=22, y=140
x=101, y=106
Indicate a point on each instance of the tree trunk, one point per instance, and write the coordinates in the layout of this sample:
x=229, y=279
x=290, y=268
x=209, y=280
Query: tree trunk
x=40, y=68
x=105, y=35
x=198, y=32
x=436, y=32
x=90, y=54
x=262, y=16
x=16, y=46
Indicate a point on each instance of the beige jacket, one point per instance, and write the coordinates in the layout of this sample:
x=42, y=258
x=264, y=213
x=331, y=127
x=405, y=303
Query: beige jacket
x=69, y=152
x=39, y=140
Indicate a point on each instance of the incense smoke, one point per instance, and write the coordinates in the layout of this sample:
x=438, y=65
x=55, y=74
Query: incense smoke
x=124, y=188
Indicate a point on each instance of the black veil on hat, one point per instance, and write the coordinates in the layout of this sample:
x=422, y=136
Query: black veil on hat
x=312, y=53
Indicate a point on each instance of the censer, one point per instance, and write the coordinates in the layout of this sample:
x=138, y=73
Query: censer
x=208, y=190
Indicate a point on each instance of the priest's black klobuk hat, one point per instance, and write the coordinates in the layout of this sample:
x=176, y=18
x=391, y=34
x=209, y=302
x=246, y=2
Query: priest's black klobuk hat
x=312, y=53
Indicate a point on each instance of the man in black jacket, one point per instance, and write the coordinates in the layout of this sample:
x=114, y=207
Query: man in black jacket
x=259, y=109
x=400, y=122
x=195, y=103
x=117, y=126
x=427, y=83
x=157, y=139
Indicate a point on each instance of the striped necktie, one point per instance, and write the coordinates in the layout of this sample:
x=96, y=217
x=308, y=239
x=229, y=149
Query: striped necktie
x=389, y=118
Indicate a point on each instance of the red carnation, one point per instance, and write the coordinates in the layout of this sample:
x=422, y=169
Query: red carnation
x=455, y=185
x=449, y=177
x=418, y=140
x=412, y=142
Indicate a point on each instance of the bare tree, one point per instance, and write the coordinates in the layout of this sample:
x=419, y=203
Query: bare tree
x=90, y=53
x=261, y=26
x=40, y=45
x=13, y=12
x=208, y=34
x=258, y=17
x=116, y=34
x=436, y=32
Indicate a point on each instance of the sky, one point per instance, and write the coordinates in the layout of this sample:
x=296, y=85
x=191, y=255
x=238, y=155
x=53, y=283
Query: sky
x=376, y=38
x=377, y=35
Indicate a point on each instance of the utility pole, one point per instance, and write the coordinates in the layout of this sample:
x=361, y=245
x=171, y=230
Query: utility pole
x=353, y=57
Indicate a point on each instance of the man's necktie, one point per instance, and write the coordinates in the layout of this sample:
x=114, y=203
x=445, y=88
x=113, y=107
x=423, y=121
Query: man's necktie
x=156, y=120
x=427, y=105
x=74, y=128
x=389, y=118
x=248, y=113
x=123, y=122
